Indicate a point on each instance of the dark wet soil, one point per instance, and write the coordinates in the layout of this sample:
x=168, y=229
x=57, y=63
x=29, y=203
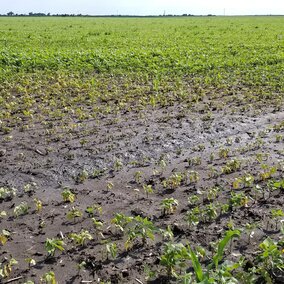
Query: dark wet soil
x=99, y=159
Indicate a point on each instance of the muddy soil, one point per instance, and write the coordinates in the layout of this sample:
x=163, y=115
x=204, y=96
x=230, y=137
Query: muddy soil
x=99, y=161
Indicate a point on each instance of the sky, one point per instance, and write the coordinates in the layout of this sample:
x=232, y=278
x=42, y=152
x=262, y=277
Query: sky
x=144, y=7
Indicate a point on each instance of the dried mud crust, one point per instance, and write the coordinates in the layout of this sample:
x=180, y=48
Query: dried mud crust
x=111, y=150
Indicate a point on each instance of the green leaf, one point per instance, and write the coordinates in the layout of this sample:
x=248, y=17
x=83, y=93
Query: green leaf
x=196, y=265
x=222, y=244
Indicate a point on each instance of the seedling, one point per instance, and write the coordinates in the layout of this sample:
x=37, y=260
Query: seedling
x=210, y=212
x=31, y=262
x=174, y=255
x=223, y=153
x=276, y=214
x=193, y=176
x=81, y=238
x=205, y=276
x=21, y=209
x=109, y=185
x=74, y=213
x=3, y=214
x=193, y=217
x=212, y=193
x=38, y=205
x=193, y=199
x=30, y=188
x=148, y=189
x=82, y=176
x=3, y=239
x=231, y=166
x=167, y=234
x=111, y=249
x=51, y=245
x=138, y=176
x=6, y=269
x=67, y=195
x=267, y=172
x=121, y=221
x=174, y=181
x=239, y=199
x=7, y=193
x=118, y=165
x=140, y=227
x=169, y=205
x=211, y=157
x=98, y=226
x=91, y=210
x=48, y=278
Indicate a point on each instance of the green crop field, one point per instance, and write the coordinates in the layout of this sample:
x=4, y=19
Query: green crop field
x=141, y=150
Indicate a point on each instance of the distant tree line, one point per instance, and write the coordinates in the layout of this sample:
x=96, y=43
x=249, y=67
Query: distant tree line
x=32, y=14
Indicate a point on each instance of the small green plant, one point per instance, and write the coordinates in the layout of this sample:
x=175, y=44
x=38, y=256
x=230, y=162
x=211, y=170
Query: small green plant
x=279, y=138
x=91, y=210
x=3, y=214
x=223, y=153
x=111, y=249
x=31, y=262
x=67, y=195
x=239, y=200
x=38, y=205
x=193, y=176
x=74, y=213
x=139, y=228
x=174, y=181
x=117, y=165
x=121, y=221
x=82, y=176
x=267, y=172
x=81, y=238
x=210, y=212
x=174, y=255
x=212, y=193
x=270, y=260
x=30, y=188
x=7, y=193
x=21, y=209
x=3, y=239
x=193, y=217
x=231, y=166
x=138, y=176
x=213, y=267
x=148, y=189
x=6, y=269
x=51, y=245
x=276, y=214
x=109, y=185
x=167, y=234
x=48, y=278
x=193, y=199
x=169, y=205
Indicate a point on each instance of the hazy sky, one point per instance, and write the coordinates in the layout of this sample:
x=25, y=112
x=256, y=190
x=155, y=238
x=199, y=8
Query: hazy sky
x=144, y=7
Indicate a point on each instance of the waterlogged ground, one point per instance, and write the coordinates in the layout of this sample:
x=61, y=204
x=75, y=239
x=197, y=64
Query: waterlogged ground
x=208, y=141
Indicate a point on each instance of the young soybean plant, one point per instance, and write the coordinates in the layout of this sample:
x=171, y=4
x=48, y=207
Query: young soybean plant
x=74, y=213
x=48, y=278
x=148, y=189
x=21, y=209
x=169, y=206
x=81, y=238
x=51, y=245
x=67, y=195
x=111, y=249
